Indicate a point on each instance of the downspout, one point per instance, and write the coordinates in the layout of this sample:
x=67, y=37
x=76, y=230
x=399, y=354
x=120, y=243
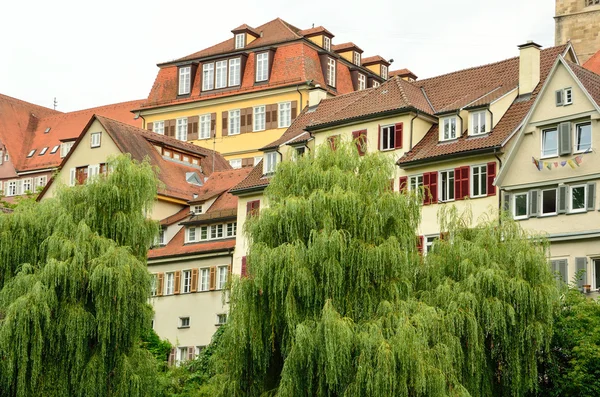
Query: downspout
x=491, y=118
x=144, y=124
x=299, y=92
x=411, y=130
x=462, y=125
x=499, y=190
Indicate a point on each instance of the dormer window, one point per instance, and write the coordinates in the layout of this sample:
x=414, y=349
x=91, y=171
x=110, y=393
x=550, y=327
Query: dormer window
x=234, y=71
x=376, y=84
x=362, y=81
x=356, y=58
x=240, y=40
x=262, y=66
x=185, y=73
x=208, y=76
x=564, y=97
x=197, y=209
x=331, y=72
x=478, y=123
x=449, y=128
x=326, y=43
x=384, y=72
x=31, y=153
x=43, y=151
x=54, y=149
x=221, y=74
x=65, y=147
x=270, y=163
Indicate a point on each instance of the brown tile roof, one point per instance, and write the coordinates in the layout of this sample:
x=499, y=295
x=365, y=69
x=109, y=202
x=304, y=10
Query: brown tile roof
x=374, y=59
x=246, y=28
x=179, y=216
x=589, y=79
x=220, y=182
x=593, y=63
x=402, y=73
x=315, y=31
x=345, y=47
x=254, y=180
x=453, y=91
x=212, y=216
x=177, y=246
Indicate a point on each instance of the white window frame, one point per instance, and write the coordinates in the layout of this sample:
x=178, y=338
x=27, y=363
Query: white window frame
x=31, y=153
x=204, y=233
x=208, y=76
x=231, y=229
x=585, y=193
x=182, y=353
x=576, y=149
x=240, y=40
x=262, y=66
x=158, y=127
x=258, y=118
x=216, y=231
x=27, y=185
x=541, y=202
x=95, y=139
x=234, y=122
x=182, y=129
x=182, y=324
x=428, y=243
x=221, y=316
x=415, y=182
x=43, y=151
x=270, y=163
x=54, y=149
x=185, y=73
x=285, y=114
x=331, y=65
x=449, y=176
x=204, y=279
x=186, y=281
x=542, y=135
x=567, y=96
x=154, y=285
x=376, y=84
x=235, y=69
x=220, y=74
x=191, y=235
x=447, y=132
x=222, y=276
x=169, y=283
x=204, y=130
x=391, y=141
x=477, y=119
x=11, y=188
x=384, y=72
x=356, y=58
x=514, y=205
x=41, y=181
x=362, y=82
x=235, y=163
x=482, y=184
x=197, y=209
x=326, y=43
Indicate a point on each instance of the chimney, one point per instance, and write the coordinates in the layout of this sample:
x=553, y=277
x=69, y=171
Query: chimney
x=529, y=67
x=315, y=95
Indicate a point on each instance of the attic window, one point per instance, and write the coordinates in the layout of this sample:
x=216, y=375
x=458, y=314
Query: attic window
x=449, y=128
x=193, y=178
x=326, y=43
x=184, y=80
x=240, y=40
x=384, y=72
x=31, y=153
x=44, y=150
x=47, y=130
x=54, y=149
x=356, y=58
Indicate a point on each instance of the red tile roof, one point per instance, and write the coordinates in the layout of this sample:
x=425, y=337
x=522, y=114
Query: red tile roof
x=246, y=28
x=220, y=182
x=179, y=216
x=374, y=59
x=316, y=31
x=254, y=180
x=402, y=73
x=589, y=79
x=346, y=47
x=177, y=247
x=593, y=63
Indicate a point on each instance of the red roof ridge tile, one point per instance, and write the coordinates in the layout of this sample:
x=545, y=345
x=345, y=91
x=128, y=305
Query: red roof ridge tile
x=344, y=46
x=374, y=59
x=315, y=30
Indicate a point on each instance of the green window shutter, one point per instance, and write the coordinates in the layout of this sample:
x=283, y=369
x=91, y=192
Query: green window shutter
x=564, y=138
x=533, y=202
x=559, y=98
x=591, y=196
x=562, y=199
x=581, y=268
x=563, y=269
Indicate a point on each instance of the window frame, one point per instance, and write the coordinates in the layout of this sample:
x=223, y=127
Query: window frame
x=54, y=149
x=514, y=206
x=234, y=78
x=204, y=124
x=219, y=317
x=567, y=96
x=155, y=127
x=482, y=179
x=326, y=43
x=418, y=182
x=191, y=234
x=478, y=115
x=201, y=272
x=171, y=276
x=233, y=129
x=270, y=163
x=208, y=76
x=576, y=132
x=259, y=116
x=384, y=72
x=31, y=153
x=541, y=202
x=449, y=185
x=231, y=229
x=185, y=73
x=183, y=281
x=240, y=40
x=221, y=74
x=282, y=111
x=154, y=285
x=542, y=135
x=43, y=151
x=221, y=281
x=331, y=69
x=235, y=163
x=95, y=142
x=356, y=58
x=182, y=320
x=391, y=137
x=585, y=193
x=181, y=129
x=262, y=67
x=362, y=82
x=452, y=122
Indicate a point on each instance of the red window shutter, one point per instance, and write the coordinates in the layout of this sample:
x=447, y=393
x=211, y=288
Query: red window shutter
x=391, y=187
x=433, y=190
x=332, y=141
x=420, y=244
x=403, y=185
x=379, y=137
x=252, y=207
x=399, y=132
x=294, y=111
x=213, y=124
x=244, y=270
x=491, y=175
x=457, y=184
x=426, y=197
x=360, y=140
x=465, y=181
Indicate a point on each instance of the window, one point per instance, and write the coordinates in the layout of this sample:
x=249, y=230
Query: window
x=169, y=283
x=356, y=58
x=388, y=138
x=234, y=122
x=429, y=243
x=184, y=80
x=550, y=143
x=450, y=128
x=564, y=97
x=236, y=163
x=231, y=229
x=479, y=180
x=577, y=198
x=221, y=319
x=262, y=66
x=520, y=205
x=160, y=239
x=216, y=231
x=182, y=354
x=186, y=282
x=252, y=208
x=478, y=123
x=221, y=74
x=259, y=118
x=384, y=72
x=43, y=151
x=568, y=96
x=204, y=279
x=184, y=322
x=583, y=137
x=447, y=185
x=27, y=185
x=154, y=287
x=205, y=121
x=591, y=3
x=234, y=71
x=549, y=202
x=285, y=114
x=191, y=234
x=31, y=153
x=331, y=72
x=203, y=233
x=208, y=76
x=197, y=209
x=326, y=43
x=375, y=84
x=54, y=149
x=240, y=40
x=158, y=127
x=270, y=163
x=362, y=81
x=41, y=180
x=222, y=276
x=182, y=129
x=11, y=189
x=415, y=182
x=95, y=139
x=257, y=159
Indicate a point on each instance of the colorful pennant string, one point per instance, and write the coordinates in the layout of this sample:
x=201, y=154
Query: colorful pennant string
x=572, y=162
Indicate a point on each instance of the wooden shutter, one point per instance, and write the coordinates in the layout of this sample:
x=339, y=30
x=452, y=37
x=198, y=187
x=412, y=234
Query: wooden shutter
x=426, y=194
x=160, y=282
x=274, y=115
x=360, y=140
x=72, y=178
x=491, y=175
x=172, y=126
x=559, y=98
x=268, y=124
x=252, y=207
x=533, y=202
x=193, y=127
x=213, y=124
x=225, y=124
x=150, y=126
x=399, y=129
x=403, y=183
x=433, y=186
x=194, y=287
x=191, y=352
x=294, y=109
x=562, y=199
x=391, y=186
x=249, y=127
x=461, y=182
x=581, y=269
x=171, y=360
x=564, y=138
x=177, y=282
x=244, y=271
x=591, y=196
x=563, y=269
x=378, y=136
x=506, y=203
x=420, y=244
x=212, y=282
x=243, y=127
x=332, y=140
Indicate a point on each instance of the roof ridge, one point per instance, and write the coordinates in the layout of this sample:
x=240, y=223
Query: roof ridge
x=29, y=103
x=289, y=27
x=93, y=108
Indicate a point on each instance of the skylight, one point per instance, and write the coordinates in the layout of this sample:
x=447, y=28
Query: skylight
x=54, y=149
x=31, y=153
x=44, y=150
x=47, y=130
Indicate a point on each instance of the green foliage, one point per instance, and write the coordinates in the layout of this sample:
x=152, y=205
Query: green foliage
x=338, y=301
x=572, y=367
x=74, y=289
x=159, y=348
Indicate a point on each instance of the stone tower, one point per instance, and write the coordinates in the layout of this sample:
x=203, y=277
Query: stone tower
x=578, y=21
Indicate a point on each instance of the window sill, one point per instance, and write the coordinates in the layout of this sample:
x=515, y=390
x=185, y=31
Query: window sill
x=548, y=215
x=576, y=212
x=520, y=218
x=479, y=196
x=264, y=129
x=232, y=134
x=552, y=156
x=187, y=326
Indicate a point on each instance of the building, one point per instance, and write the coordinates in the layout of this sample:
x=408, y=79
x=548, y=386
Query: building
x=578, y=21
x=241, y=94
x=550, y=177
x=34, y=140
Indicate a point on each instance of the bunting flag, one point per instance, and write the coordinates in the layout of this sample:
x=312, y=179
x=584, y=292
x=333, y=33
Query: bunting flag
x=573, y=162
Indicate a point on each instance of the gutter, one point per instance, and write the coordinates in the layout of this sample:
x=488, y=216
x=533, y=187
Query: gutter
x=316, y=127
x=192, y=255
x=470, y=153
x=244, y=191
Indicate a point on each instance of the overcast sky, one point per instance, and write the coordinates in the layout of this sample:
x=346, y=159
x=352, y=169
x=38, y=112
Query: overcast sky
x=89, y=54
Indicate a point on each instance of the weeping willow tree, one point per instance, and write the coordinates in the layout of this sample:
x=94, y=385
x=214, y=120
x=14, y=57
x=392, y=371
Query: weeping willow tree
x=339, y=302
x=74, y=289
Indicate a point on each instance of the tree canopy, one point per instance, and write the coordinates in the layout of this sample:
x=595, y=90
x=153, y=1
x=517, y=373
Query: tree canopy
x=74, y=288
x=339, y=302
